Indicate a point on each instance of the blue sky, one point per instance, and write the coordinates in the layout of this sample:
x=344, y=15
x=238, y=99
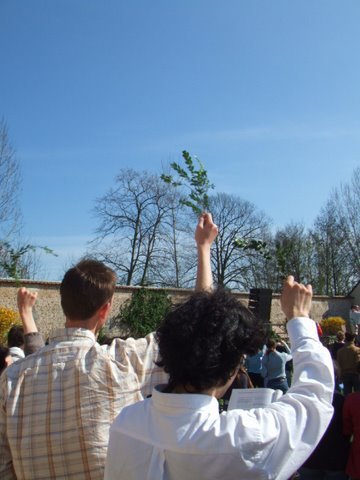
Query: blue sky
x=266, y=93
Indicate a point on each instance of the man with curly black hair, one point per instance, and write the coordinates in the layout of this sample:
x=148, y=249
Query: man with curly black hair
x=201, y=342
x=178, y=434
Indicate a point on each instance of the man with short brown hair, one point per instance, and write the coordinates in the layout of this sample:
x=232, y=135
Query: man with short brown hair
x=348, y=358
x=56, y=406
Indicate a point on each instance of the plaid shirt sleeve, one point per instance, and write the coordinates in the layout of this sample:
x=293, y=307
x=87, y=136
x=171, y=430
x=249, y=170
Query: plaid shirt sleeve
x=140, y=356
x=6, y=465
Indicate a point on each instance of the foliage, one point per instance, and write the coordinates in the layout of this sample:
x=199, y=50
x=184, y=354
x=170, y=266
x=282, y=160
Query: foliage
x=101, y=335
x=258, y=246
x=143, y=312
x=11, y=258
x=146, y=235
x=195, y=180
x=8, y=318
x=331, y=325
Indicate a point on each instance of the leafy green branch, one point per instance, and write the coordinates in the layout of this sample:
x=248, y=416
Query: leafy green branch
x=196, y=180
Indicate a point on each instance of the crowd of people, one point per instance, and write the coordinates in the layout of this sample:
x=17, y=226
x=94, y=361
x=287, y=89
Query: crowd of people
x=149, y=408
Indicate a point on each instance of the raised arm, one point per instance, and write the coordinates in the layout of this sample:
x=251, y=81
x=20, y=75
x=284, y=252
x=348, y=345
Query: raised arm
x=291, y=427
x=287, y=348
x=26, y=301
x=205, y=233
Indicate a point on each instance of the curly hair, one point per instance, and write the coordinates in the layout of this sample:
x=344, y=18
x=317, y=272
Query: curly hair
x=201, y=340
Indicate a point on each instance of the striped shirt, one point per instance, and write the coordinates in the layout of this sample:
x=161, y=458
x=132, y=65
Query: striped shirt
x=56, y=406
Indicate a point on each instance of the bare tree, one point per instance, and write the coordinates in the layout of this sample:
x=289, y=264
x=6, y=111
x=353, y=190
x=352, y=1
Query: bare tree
x=131, y=221
x=9, y=207
x=174, y=260
x=336, y=239
x=347, y=200
x=236, y=219
x=331, y=257
x=294, y=253
x=9, y=185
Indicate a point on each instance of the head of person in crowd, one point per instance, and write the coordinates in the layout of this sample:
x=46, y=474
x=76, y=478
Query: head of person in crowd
x=270, y=345
x=86, y=291
x=355, y=308
x=340, y=335
x=15, y=336
x=350, y=337
x=202, y=341
x=5, y=358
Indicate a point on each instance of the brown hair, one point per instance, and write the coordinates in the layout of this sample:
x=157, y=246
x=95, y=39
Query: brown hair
x=15, y=337
x=349, y=337
x=85, y=288
x=270, y=344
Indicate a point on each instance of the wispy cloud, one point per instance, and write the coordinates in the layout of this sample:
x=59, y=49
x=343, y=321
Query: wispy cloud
x=276, y=132
x=112, y=147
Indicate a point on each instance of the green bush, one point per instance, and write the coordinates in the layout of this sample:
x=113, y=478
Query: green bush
x=143, y=312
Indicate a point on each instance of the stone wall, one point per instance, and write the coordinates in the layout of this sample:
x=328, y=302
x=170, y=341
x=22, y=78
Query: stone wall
x=48, y=314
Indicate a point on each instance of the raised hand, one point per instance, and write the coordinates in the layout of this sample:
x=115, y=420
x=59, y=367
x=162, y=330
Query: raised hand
x=295, y=298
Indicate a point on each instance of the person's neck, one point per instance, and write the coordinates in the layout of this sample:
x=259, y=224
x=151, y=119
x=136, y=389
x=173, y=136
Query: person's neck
x=86, y=324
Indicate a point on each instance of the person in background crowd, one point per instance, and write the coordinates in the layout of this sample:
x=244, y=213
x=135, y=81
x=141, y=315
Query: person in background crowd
x=15, y=342
x=178, y=433
x=339, y=343
x=241, y=380
x=328, y=460
x=5, y=358
x=354, y=319
x=288, y=365
x=22, y=340
x=351, y=417
x=348, y=358
x=273, y=366
x=56, y=406
x=253, y=365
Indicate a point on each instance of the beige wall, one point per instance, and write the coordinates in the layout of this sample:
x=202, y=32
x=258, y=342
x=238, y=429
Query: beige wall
x=48, y=312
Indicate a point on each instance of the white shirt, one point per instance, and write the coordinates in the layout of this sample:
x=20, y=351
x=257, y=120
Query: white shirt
x=183, y=437
x=17, y=353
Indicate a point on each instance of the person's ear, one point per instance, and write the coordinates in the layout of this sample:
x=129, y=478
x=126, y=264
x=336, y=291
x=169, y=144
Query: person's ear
x=105, y=310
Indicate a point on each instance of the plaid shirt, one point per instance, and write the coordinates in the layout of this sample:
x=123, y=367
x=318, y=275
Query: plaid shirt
x=56, y=406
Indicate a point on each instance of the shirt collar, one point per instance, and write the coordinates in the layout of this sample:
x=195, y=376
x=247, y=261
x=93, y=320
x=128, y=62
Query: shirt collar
x=184, y=401
x=69, y=334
